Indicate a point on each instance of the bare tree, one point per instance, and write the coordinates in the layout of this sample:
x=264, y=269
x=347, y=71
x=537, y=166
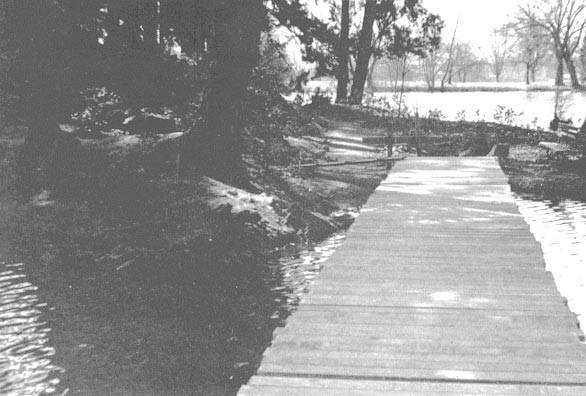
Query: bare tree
x=533, y=43
x=449, y=65
x=431, y=65
x=448, y=62
x=565, y=21
x=500, y=51
x=464, y=61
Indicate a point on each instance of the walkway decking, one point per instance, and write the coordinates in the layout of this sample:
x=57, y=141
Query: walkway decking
x=439, y=289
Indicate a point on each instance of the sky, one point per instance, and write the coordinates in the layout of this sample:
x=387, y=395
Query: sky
x=476, y=18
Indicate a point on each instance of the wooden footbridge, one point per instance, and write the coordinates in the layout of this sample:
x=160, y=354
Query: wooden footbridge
x=439, y=290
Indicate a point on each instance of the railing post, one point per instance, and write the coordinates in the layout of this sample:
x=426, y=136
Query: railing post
x=390, y=143
x=417, y=134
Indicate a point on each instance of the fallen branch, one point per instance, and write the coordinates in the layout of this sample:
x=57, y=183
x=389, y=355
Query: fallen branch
x=369, y=161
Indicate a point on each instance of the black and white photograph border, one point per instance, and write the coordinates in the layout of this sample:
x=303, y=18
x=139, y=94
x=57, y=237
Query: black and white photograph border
x=292, y=197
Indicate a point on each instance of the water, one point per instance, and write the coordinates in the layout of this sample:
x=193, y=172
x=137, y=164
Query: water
x=300, y=269
x=121, y=333
x=561, y=230
x=537, y=107
x=26, y=366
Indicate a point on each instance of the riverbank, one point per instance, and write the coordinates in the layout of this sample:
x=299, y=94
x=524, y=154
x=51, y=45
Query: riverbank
x=475, y=87
x=533, y=172
x=329, y=85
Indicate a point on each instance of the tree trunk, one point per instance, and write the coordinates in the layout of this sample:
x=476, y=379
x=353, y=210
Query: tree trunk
x=364, y=52
x=450, y=64
x=44, y=87
x=343, y=54
x=559, y=75
x=215, y=149
x=369, y=80
x=572, y=70
x=32, y=159
x=527, y=73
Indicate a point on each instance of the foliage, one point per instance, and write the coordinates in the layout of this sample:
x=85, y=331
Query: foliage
x=461, y=115
x=273, y=71
x=319, y=41
x=506, y=115
x=407, y=28
x=100, y=104
x=385, y=106
x=435, y=114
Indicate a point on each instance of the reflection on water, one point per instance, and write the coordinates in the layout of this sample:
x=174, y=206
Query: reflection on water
x=25, y=353
x=297, y=271
x=561, y=230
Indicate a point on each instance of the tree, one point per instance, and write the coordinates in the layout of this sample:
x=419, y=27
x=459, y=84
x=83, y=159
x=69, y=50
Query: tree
x=500, y=51
x=448, y=61
x=365, y=50
x=449, y=68
x=565, y=21
x=53, y=48
x=583, y=60
x=67, y=46
x=343, y=53
x=431, y=68
x=7, y=56
x=464, y=61
x=319, y=41
x=533, y=42
x=236, y=42
x=401, y=29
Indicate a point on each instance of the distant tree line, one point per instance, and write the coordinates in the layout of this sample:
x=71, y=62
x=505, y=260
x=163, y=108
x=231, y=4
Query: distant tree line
x=542, y=36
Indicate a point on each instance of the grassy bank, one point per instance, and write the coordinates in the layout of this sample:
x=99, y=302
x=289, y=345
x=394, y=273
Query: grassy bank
x=532, y=171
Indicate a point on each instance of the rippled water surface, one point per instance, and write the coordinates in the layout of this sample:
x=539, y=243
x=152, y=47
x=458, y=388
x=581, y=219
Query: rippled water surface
x=26, y=366
x=561, y=229
x=126, y=333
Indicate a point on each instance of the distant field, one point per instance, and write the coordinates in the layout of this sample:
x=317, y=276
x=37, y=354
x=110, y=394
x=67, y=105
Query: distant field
x=481, y=86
